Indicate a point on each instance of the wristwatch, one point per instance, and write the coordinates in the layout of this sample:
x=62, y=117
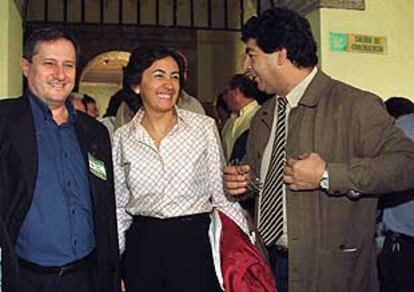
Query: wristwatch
x=324, y=182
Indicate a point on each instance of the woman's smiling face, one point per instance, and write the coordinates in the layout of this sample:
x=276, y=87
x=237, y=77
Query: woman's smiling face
x=160, y=85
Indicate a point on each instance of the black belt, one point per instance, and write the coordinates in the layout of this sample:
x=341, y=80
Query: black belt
x=395, y=236
x=62, y=270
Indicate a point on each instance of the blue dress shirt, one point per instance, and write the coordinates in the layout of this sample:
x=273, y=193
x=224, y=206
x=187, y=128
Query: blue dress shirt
x=401, y=217
x=58, y=228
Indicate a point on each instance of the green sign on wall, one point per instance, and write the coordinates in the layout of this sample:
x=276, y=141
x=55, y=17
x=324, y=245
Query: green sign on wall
x=356, y=43
x=338, y=42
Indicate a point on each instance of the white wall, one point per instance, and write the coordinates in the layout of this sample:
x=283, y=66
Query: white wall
x=386, y=75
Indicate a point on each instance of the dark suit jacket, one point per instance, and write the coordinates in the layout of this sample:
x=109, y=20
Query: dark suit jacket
x=7, y=186
x=239, y=147
x=331, y=235
x=21, y=170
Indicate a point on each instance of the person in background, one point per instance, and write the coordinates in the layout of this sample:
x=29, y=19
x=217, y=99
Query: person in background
x=167, y=164
x=123, y=96
x=186, y=101
x=222, y=112
x=240, y=99
x=77, y=103
x=90, y=105
x=115, y=102
x=396, y=267
x=61, y=218
x=128, y=107
x=323, y=150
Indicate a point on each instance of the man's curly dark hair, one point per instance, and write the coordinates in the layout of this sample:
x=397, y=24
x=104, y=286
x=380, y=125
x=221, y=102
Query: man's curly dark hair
x=281, y=28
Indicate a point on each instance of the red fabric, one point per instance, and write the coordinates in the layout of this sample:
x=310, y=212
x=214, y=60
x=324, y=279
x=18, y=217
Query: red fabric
x=243, y=267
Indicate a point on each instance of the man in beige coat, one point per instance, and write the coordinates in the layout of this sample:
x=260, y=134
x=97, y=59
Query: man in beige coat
x=342, y=150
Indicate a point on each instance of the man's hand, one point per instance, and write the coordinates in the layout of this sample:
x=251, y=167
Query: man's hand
x=236, y=179
x=304, y=173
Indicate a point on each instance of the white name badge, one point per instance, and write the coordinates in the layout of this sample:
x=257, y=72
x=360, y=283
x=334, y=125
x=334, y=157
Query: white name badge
x=97, y=167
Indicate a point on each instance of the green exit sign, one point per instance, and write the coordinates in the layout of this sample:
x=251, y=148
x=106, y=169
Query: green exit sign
x=338, y=42
x=356, y=43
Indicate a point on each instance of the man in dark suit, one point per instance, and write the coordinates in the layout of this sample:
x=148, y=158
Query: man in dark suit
x=59, y=207
x=323, y=149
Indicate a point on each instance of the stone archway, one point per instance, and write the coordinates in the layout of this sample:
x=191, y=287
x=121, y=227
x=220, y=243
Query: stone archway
x=102, y=76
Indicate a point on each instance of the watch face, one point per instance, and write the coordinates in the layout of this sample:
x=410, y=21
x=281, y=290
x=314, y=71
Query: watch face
x=324, y=183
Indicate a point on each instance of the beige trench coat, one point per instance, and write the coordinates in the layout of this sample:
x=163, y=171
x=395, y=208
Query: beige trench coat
x=331, y=236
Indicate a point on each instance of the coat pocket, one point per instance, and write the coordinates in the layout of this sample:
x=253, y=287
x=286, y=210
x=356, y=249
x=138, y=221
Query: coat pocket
x=338, y=268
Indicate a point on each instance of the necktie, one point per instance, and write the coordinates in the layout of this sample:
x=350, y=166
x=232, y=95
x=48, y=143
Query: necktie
x=270, y=211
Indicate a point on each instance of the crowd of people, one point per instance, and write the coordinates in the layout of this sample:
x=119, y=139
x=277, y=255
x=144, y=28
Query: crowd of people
x=155, y=197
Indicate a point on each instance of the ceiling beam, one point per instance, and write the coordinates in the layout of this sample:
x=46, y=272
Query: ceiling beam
x=344, y=4
x=304, y=7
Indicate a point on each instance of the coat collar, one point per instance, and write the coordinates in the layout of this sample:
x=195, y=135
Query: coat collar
x=316, y=89
x=266, y=112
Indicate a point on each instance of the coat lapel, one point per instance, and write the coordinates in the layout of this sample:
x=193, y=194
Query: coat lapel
x=87, y=141
x=88, y=145
x=265, y=126
x=266, y=114
x=316, y=89
x=302, y=119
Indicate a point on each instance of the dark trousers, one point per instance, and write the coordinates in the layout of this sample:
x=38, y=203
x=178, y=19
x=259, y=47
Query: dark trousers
x=278, y=257
x=396, y=264
x=80, y=280
x=169, y=255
